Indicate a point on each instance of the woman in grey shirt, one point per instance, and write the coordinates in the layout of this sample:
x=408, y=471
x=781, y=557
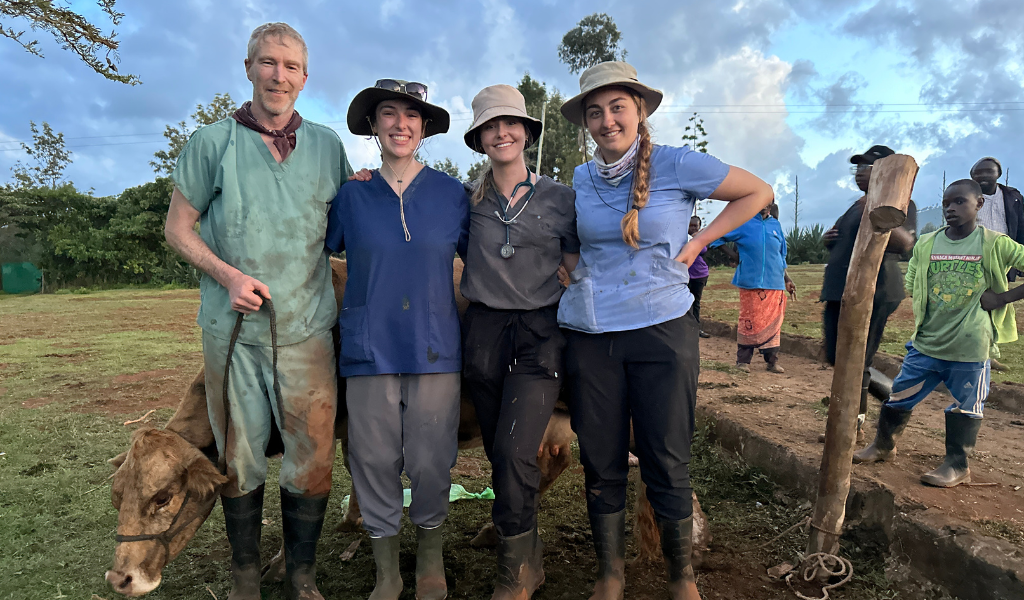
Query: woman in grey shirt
x=522, y=227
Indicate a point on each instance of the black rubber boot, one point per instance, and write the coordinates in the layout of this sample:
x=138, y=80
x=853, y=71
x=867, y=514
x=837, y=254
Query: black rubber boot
x=961, y=435
x=520, y=566
x=243, y=519
x=891, y=423
x=302, y=519
x=677, y=548
x=610, y=545
x=430, y=580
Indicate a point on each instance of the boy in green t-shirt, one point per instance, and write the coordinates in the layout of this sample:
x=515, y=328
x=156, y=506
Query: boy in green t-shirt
x=957, y=278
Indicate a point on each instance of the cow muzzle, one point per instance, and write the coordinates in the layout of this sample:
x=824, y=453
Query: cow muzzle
x=131, y=583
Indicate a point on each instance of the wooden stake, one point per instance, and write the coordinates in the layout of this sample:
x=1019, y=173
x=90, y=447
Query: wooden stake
x=892, y=180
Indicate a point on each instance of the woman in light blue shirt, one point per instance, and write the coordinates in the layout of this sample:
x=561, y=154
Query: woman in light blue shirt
x=632, y=349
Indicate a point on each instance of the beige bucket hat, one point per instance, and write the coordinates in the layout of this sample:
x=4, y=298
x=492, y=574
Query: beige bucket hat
x=499, y=101
x=603, y=75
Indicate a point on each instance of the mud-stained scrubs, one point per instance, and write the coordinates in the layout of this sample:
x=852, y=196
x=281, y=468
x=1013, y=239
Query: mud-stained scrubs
x=269, y=220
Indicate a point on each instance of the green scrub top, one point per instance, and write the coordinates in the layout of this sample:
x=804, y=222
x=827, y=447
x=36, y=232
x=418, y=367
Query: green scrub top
x=268, y=220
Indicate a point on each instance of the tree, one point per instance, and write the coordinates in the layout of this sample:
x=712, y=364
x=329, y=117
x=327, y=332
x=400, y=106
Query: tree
x=177, y=135
x=696, y=137
x=448, y=167
x=50, y=156
x=477, y=169
x=595, y=39
x=561, y=138
x=71, y=30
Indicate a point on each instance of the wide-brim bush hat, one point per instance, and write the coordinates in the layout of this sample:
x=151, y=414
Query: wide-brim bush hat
x=500, y=101
x=362, y=108
x=607, y=74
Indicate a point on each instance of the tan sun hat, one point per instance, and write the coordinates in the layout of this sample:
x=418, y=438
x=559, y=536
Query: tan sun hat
x=603, y=75
x=500, y=101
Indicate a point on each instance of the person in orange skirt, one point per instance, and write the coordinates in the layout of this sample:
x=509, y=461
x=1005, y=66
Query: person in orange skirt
x=763, y=282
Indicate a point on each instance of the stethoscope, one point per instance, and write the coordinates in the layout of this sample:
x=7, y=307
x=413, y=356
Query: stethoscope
x=507, y=250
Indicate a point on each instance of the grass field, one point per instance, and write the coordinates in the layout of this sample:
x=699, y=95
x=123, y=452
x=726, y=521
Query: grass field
x=74, y=367
x=721, y=302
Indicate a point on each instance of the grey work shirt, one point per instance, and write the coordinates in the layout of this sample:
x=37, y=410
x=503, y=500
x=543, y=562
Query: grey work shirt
x=545, y=228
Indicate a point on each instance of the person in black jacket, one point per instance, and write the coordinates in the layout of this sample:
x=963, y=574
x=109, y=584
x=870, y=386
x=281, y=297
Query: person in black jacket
x=1004, y=206
x=889, y=288
x=1003, y=210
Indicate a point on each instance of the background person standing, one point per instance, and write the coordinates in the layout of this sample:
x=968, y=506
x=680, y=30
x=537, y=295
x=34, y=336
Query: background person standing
x=889, y=287
x=762, y=279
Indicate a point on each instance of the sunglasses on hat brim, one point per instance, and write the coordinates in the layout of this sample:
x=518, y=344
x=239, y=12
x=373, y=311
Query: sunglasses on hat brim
x=412, y=88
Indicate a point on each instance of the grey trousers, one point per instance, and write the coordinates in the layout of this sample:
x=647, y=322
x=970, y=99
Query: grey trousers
x=398, y=422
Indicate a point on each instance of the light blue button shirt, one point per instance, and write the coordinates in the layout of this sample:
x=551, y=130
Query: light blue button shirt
x=615, y=286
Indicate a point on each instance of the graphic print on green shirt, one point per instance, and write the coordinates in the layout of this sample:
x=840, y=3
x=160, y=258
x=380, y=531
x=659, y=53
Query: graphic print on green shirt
x=955, y=327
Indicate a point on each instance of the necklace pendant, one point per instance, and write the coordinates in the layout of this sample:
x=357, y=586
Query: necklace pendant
x=507, y=251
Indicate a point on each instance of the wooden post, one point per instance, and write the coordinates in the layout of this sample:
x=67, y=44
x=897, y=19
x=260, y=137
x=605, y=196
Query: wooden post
x=892, y=180
x=540, y=142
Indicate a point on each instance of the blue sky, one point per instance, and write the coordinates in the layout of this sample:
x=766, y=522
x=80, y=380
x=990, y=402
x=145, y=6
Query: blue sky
x=786, y=88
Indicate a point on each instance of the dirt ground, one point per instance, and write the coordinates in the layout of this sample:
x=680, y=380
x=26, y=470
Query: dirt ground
x=117, y=357
x=787, y=409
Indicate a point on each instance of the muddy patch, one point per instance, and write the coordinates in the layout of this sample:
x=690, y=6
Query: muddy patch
x=746, y=399
x=35, y=402
x=471, y=466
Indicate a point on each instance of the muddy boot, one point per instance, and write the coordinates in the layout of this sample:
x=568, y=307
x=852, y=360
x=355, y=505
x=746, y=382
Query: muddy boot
x=891, y=423
x=389, y=579
x=745, y=367
x=302, y=519
x=677, y=548
x=520, y=569
x=961, y=434
x=243, y=519
x=430, y=581
x=610, y=545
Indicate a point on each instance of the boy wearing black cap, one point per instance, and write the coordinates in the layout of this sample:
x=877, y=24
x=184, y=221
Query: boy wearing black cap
x=889, y=287
x=957, y=277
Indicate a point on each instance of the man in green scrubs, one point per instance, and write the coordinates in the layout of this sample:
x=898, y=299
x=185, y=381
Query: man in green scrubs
x=260, y=185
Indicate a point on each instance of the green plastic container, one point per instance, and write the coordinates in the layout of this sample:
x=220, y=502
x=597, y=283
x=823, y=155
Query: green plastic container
x=21, y=277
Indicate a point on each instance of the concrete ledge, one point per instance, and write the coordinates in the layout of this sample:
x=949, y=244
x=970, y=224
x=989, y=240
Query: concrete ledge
x=935, y=548
x=1008, y=397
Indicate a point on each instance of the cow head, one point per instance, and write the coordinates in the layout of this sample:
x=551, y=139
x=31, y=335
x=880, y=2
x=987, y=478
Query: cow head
x=164, y=489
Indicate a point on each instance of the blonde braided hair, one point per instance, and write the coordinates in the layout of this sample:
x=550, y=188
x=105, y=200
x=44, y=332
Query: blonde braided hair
x=641, y=177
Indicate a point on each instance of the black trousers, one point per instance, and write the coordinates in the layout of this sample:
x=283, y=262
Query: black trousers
x=697, y=289
x=648, y=375
x=513, y=373
x=880, y=313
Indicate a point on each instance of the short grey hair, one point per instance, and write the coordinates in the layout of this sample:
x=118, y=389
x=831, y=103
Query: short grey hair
x=277, y=30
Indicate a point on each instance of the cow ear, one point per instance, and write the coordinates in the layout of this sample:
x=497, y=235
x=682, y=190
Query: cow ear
x=203, y=477
x=118, y=460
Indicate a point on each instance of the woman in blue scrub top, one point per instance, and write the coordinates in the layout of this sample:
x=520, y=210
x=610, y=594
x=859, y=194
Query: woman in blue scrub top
x=632, y=344
x=400, y=343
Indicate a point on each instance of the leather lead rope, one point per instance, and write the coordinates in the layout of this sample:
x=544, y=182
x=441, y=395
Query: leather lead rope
x=222, y=459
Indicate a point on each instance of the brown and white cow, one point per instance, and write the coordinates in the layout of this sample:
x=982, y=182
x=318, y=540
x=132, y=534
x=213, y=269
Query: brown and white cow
x=166, y=483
